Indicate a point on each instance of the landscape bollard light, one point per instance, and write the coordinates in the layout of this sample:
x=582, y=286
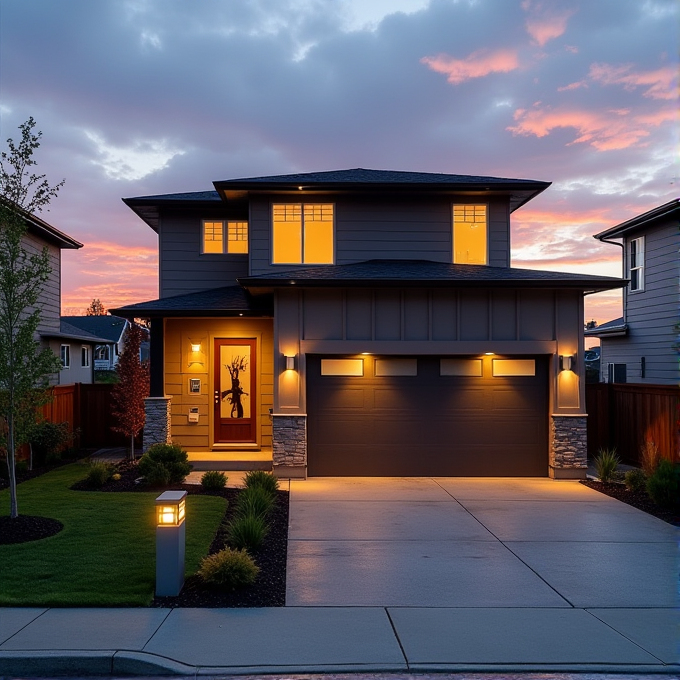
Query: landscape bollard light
x=170, y=542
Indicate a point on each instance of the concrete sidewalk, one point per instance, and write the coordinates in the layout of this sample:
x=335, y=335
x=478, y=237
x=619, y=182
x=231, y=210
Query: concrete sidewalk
x=337, y=639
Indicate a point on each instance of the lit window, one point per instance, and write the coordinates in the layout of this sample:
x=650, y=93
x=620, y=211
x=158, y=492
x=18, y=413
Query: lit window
x=636, y=251
x=85, y=356
x=302, y=234
x=214, y=237
x=65, y=356
x=469, y=234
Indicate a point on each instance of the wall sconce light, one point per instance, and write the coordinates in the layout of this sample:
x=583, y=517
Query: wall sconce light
x=567, y=362
x=195, y=346
x=170, y=542
x=290, y=362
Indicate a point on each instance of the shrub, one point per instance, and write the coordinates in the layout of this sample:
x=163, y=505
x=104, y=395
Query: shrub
x=47, y=440
x=247, y=531
x=265, y=480
x=228, y=569
x=21, y=467
x=116, y=477
x=214, y=480
x=636, y=480
x=606, y=463
x=164, y=464
x=649, y=457
x=663, y=486
x=98, y=473
x=254, y=501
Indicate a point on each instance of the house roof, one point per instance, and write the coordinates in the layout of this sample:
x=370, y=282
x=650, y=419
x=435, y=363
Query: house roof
x=643, y=220
x=69, y=332
x=105, y=326
x=148, y=207
x=424, y=273
x=226, y=301
x=361, y=179
x=611, y=328
x=45, y=231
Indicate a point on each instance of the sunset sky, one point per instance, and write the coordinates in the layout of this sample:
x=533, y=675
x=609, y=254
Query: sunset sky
x=138, y=97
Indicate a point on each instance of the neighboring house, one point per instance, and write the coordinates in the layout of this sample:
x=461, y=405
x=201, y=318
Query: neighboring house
x=70, y=344
x=642, y=345
x=364, y=322
x=112, y=329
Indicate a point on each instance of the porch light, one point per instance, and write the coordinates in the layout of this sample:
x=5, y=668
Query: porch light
x=567, y=362
x=290, y=362
x=489, y=354
x=195, y=346
x=170, y=542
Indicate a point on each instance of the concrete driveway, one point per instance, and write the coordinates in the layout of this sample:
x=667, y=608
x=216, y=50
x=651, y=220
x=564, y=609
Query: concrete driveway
x=479, y=543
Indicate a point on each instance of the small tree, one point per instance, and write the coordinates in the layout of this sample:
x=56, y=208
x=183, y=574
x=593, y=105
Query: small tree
x=132, y=388
x=24, y=364
x=96, y=308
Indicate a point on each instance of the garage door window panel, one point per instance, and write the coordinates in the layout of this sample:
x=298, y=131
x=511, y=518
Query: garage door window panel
x=513, y=367
x=396, y=367
x=461, y=367
x=342, y=367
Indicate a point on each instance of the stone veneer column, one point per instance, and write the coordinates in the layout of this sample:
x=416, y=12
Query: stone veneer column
x=157, y=424
x=568, y=447
x=289, y=444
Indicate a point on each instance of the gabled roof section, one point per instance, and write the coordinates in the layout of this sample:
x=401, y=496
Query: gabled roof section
x=424, y=273
x=148, y=207
x=104, y=326
x=609, y=329
x=644, y=220
x=226, y=301
x=70, y=332
x=43, y=230
x=361, y=179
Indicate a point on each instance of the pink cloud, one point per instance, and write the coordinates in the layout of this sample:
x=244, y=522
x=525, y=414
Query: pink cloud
x=545, y=23
x=573, y=86
x=603, y=130
x=479, y=64
x=660, y=84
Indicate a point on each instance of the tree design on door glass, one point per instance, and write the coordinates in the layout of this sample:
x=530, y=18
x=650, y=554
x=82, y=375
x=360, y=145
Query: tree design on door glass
x=235, y=376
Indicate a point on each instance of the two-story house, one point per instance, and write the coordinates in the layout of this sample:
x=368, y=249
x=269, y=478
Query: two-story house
x=73, y=345
x=364, y=322
x=642, y=345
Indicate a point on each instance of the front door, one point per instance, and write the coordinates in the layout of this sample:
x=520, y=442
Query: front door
x=235, y=400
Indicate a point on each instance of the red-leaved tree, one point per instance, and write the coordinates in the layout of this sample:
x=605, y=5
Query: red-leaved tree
x=132, y=388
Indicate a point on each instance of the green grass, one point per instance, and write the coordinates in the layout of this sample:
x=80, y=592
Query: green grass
x=106, y=553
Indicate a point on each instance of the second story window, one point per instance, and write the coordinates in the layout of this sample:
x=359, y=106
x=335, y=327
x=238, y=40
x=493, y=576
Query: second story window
x=225, y=237
x=636, y=258
x=303, y=233
x=470, y=234
x=65, y=356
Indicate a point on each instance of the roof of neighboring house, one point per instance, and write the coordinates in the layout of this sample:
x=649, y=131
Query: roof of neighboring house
x=45, y=231
x=611, y=328
x=104, y=326
x=423, y=273
x=70, y=332
x=641, y=221
x=226, y=301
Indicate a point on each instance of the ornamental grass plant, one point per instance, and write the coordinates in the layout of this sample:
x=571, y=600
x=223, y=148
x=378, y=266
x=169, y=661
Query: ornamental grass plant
x=606, y=463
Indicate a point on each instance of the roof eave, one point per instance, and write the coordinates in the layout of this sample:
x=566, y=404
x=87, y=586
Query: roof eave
x=620, y=230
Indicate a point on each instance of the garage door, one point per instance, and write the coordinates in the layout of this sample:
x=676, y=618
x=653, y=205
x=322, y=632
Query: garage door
x=427, y=416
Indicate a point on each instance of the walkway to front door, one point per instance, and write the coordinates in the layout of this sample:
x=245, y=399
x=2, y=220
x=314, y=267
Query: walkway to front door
x=474, y=542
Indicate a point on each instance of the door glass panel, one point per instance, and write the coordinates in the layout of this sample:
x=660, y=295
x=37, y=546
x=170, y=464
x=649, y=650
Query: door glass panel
x=234, y=380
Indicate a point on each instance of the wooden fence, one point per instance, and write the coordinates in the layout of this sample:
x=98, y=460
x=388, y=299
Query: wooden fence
x=626, y=415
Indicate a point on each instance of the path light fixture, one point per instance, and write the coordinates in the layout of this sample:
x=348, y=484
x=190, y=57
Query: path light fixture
x=170, y=542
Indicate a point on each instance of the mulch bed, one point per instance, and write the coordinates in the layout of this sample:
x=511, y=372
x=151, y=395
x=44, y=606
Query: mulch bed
x=638, y=499
x=25, y=528
x=269, y=589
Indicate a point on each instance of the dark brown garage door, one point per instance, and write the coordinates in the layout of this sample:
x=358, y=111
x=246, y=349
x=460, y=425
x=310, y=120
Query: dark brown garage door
x=421, y=417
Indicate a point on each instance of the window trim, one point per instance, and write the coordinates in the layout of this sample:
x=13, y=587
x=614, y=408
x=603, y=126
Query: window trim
x=453, y=228
x=639, y=268
x=225, y=236
x=302, y=205
x=65, y=356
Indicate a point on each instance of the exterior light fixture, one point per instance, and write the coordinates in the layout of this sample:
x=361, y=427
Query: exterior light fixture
x=489, y=354
x=290, y=362
x=567, y=362
x=170, y=542
x=195, y=346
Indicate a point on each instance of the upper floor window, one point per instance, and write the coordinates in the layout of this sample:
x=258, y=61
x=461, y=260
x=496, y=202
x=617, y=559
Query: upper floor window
x=225, y=237
x=470, y=234
x=636, y=253
x=85, y=356
x=65, y=356
x=302, y=233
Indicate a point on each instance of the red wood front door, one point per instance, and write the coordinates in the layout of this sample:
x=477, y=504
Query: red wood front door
x=235, y=400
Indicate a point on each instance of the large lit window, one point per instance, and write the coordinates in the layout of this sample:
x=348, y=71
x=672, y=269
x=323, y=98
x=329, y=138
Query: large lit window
x=636, y=252
x=215, y=233
x=469, y=234
x=302, y=233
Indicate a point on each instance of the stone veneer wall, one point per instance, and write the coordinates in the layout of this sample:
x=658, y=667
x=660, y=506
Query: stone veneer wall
x=289, y=445
x=157, y=424
x=568, y=446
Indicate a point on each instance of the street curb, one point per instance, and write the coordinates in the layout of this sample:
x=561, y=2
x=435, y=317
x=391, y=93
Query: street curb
x=143, y=663
x=55, y=663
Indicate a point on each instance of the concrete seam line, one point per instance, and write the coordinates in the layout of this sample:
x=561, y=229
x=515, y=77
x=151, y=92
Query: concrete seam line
x=396, y=635
x=2, y=642
x=160, y=625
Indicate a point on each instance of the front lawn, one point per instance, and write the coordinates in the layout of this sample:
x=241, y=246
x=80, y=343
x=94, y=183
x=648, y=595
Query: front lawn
x=106, y=553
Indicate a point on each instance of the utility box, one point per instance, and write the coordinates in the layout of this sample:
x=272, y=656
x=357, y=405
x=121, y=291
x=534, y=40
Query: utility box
x=193, y=414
